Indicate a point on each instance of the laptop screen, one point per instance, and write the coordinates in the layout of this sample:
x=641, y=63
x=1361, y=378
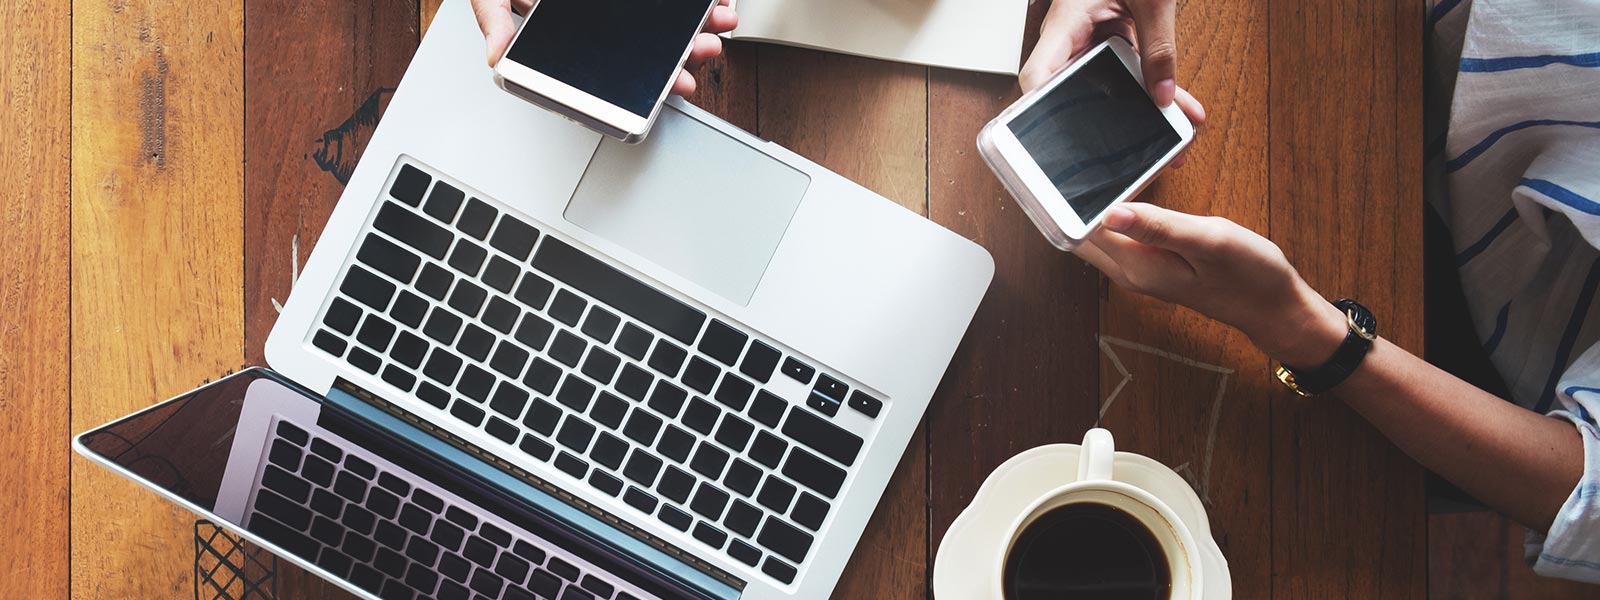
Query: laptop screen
x=339, y=488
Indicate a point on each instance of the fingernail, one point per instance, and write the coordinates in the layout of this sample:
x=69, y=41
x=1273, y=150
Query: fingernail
x=1163, y=92
x=1119, y=218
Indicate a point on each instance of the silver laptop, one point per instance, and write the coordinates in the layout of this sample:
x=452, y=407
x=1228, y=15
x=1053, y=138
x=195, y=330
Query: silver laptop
x=704, y=354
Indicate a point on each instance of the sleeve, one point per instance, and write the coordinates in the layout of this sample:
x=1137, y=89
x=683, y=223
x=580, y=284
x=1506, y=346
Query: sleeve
x=1571, y=549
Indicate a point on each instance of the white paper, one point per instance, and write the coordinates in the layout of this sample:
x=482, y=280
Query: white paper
x=973, y=35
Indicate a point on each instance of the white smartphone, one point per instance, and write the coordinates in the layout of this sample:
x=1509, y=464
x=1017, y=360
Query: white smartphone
x=607, y=64
x=1087, y=140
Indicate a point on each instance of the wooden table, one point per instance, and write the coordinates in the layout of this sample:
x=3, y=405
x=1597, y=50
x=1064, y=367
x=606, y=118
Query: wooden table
x=162, y=177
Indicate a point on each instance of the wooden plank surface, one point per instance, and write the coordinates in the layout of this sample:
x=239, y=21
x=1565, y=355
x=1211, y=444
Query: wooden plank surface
x=35, y=86
x=157, y=178
x=1478, y=556
x=1345, y=168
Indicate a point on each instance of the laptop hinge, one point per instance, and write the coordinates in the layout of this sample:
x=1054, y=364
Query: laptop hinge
x=522, y=497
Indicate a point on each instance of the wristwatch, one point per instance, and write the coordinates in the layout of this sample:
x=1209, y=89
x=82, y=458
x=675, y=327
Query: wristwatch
x=1357, y=341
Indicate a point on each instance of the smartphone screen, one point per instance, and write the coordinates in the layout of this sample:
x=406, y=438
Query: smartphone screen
x=624, y=52
x=1095, y=134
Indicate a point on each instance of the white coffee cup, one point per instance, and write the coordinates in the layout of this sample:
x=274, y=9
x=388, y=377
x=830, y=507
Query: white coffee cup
x=1094, y=484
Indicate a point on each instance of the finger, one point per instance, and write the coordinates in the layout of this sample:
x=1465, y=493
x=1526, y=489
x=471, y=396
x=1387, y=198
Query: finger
x=1146, y=268
x=684, y=85
x=1180, y=160
x=706, y=46
x=494, y=18
x=1191, y=107
x=1098, y=259
x=1067, y=29
x=522, y=6
x=1158, y=227
x=723, y=19
x=1158, y=47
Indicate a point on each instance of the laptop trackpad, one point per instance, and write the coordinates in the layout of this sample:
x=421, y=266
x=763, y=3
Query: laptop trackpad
x=691, y=199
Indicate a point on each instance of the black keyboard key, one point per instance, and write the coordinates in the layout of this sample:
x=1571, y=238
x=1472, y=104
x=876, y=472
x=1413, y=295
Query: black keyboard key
x=294, y=435
x=390, y=535
x=509, y=359
x=467, y=258
x=442, y=367
x=434, y=396
x=534, y=332
x=601, y=324
x=342, y=316
x=364, y=360
x=413, y=230
x=409, y=349
x=285, y=455
x=422, y=578
x=501, y=315
x=601, y=365
x=567, y=308
x=709, y=502
x=642, y=468
x=514, y=237
x=416, y=519
x=811, y=471
x=383, y=503
x=468, y=298
x=422, y=551
x=359, y=547
x=576, y=393
x=477, y=219
x=485, y=582
x=675, y=518
x=734, y=392
x=734, y=432
x=834, y=389
x=634, y=342
x=496, y=535
x=543, y=417
x=776, y=494
x=501, y=430
x=349, y=486
x=388, y=258
x=618, y=290
x=700, y=375
x=285, y=537
x=282, y=482
x=642, y=428
x=576, y=434
x=563, y=569
x=442, y=326
x=542, y=376
x=576, y=593
x=711, y=536
x=640, y=500
x=744, y=553
x=822, y=404
x=743, y=518
x=768, y=408
x=675, y=484
x=434, y=281
x=480, y=551
x=600, y=588
x=327, y=503
x=797, y=370
x=360, y=468
x=409, y=185
x=778, y=570
x=545, y=584
x=454, y=567
x=667, y=359
x=329, y=343
x=475, y=384
x=394, y=484
x=367, y=288
x=409, y=308
x=784, y=539
x=461, y=517
x=509, y=400
x=568, y=349
x=571, y=465
x=668, y=399
x=534, y=291
x=701, y=416
x=609, y=410
x=536, y=447
x=634, y=382
x=609, y=450
x=760, y=361
x=444, y=202
x=289, y=513
x=742, y=477
x=605, y=482
x=317, y=471
x=865, y=404
x=822, y=436
x=809, y=510
x=358, y=519
x=467, y=413
x=709, y=461
x=393, y=565
x=722, y=342
x=365, y=577
x=528, y=552
x=376, y=333
x=512, y=568
x=676, y=443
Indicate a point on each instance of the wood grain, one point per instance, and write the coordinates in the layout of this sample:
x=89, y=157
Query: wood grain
x=1478, y=556
x=1347, y=208
x=157, y=178
x=319, y=75
x=1204, y=423
x=35, y=86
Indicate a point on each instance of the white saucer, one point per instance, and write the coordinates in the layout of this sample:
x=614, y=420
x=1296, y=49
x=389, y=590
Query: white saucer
x=961, y=567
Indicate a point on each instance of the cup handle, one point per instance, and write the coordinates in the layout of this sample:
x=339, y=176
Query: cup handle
x=1098, y=452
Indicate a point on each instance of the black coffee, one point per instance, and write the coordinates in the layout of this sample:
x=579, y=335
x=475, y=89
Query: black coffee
x=1087, y=550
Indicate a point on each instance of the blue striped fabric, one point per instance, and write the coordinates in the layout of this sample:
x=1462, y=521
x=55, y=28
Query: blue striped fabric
x=1512, y=63
x=1563, y=195
x=1466, y=256
x=1481, y=147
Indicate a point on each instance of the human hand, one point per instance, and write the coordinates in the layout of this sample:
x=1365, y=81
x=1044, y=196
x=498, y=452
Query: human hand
x=1222, y=270
x=494, y=18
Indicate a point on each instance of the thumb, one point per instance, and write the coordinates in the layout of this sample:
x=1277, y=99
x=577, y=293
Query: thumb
x=494, y=18
x=1155, y=226
x=1158, y=47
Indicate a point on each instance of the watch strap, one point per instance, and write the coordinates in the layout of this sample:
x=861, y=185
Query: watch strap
x=1362, y=330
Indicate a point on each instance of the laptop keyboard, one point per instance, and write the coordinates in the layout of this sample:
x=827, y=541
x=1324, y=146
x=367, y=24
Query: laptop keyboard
x=613, y=382
x=371, y=526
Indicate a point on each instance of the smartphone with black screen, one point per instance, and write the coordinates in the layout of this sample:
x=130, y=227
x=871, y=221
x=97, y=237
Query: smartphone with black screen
x=607, y=64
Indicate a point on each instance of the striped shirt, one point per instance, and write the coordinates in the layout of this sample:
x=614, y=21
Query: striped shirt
x=1513, y=155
